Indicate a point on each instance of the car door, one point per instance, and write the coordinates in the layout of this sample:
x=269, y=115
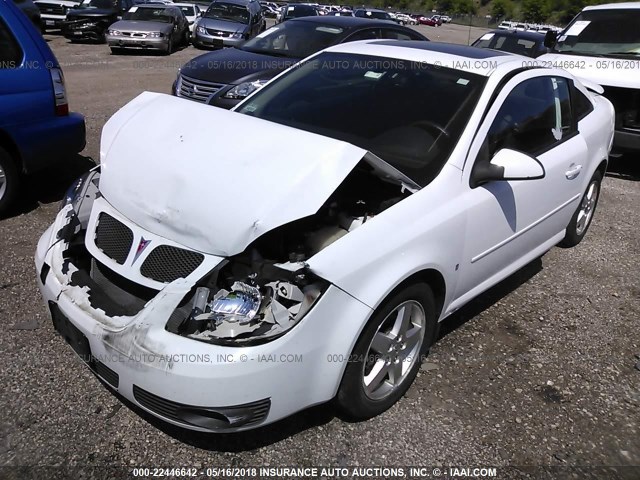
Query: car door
x=511, y=222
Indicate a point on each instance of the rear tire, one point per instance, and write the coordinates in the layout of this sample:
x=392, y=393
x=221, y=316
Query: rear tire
x=9, y=181
x=388, y=354
x=581, y=220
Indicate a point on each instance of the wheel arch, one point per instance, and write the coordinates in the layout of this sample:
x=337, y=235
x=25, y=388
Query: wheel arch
x=431, y=277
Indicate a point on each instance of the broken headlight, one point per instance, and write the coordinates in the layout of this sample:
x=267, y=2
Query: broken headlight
x=80, y=196
x=252, y=310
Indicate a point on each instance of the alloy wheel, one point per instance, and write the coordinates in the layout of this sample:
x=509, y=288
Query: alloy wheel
x=586, y=208
x=394, y=349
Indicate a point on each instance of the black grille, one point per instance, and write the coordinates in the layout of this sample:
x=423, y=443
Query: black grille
x=166, y=264
x=113, y=238
x=251, y=413
x=217, y=33
x=106, y=373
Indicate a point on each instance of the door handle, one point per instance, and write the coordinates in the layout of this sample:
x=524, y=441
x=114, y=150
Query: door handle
x=573, y=172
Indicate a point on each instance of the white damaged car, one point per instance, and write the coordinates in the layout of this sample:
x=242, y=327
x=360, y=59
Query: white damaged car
x=226, y=272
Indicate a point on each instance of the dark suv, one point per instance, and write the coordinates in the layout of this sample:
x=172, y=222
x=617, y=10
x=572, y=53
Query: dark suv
x=92, y=18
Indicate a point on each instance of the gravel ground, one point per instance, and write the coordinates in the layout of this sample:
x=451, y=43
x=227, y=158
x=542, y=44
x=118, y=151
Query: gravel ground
x=544, y=370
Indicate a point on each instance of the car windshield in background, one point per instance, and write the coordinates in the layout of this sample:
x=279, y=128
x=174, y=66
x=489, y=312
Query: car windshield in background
x=407, y=113
x=300, y=11
x=603, y=32
x=377, y=15
x=97, y=4
x=228, y=11
x=188, y=11
x=148, y=14
x=297, y=39
x=507, y=43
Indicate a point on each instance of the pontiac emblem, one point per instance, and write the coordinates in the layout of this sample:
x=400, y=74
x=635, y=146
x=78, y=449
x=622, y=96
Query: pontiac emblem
x=141, y=246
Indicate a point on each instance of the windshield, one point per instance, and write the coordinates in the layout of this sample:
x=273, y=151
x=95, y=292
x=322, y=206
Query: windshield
x=228, y=11
x=297, y=39
x=410, y=114
x=508, y=43
x=159, y=14
x=297, y=11
x=373, y=14
x=97, y=4
x=602, y=32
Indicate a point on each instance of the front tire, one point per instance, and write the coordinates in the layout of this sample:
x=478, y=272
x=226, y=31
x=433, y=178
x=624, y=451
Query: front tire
x=388, y=354
x=9, y=181
x=581, y=220
x=169, y=47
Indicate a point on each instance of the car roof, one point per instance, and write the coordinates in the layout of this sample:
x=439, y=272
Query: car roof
x=344, y=22
x=480, y=61
x=518, y=33
x=181, y=4
x=611, y=6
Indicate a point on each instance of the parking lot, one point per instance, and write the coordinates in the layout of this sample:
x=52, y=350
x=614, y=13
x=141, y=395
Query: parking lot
x=543, y=370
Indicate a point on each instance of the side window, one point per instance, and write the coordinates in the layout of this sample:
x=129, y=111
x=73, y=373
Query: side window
x=530, y=119
x=369, y=34
x=582, y=106
x=10, y=51
x=392, y=34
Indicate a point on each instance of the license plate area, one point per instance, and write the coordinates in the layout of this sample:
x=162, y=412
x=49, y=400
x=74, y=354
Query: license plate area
x=72, y=335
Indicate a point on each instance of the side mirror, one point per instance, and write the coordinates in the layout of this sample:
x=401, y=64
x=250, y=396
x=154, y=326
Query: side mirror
x=507, y=165
x=550, y=38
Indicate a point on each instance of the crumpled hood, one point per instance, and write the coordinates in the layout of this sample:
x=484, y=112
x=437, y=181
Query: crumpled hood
x=211, y=179
x=593, y=70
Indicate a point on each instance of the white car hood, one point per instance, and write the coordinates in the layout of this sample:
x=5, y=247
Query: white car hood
x=598, y=70
x=211, y=179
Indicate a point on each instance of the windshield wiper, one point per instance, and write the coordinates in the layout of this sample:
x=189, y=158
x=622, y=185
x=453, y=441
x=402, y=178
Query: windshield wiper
x=577, y=52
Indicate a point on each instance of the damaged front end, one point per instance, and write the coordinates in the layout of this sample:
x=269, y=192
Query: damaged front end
x=261, y=293
x=249, y=298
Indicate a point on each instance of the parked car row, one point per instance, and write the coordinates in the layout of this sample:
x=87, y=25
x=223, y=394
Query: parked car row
x=207, y=79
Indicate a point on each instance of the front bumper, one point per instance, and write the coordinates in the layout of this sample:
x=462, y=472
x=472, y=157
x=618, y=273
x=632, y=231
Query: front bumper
x=168, y=374
x=119, y=41
x=211, y=41
x=50, y=21
x=86, y=31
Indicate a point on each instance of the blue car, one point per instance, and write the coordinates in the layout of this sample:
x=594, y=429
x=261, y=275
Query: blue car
x=36, y=128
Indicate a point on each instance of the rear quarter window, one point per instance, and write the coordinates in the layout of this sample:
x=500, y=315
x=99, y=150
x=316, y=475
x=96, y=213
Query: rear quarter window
x=10, y=51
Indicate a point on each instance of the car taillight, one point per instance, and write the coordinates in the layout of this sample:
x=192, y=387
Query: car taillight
x=59, y=92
